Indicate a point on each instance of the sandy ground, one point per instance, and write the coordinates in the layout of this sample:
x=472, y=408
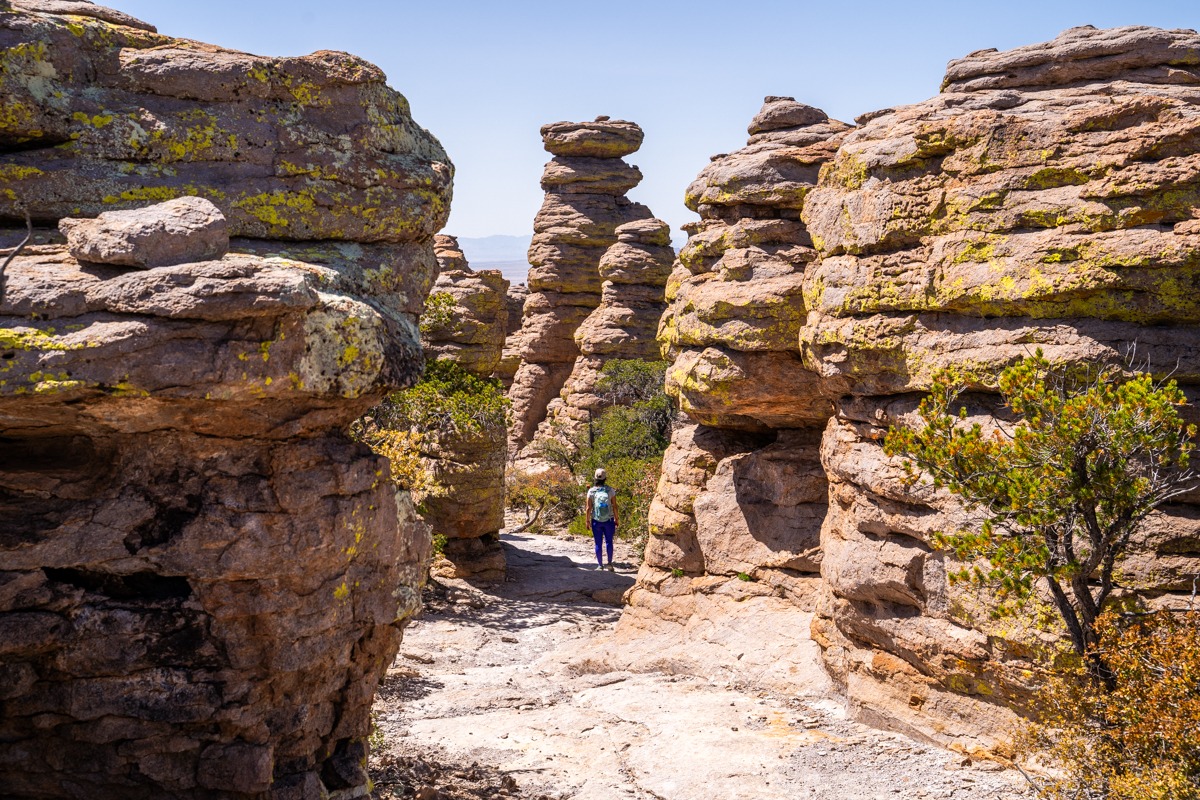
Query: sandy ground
x=488, y=699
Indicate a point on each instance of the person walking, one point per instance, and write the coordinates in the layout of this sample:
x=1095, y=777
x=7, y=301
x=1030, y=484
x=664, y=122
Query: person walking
x=602, y=516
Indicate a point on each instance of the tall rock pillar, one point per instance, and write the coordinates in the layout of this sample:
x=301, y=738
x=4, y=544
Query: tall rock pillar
x=585, y=203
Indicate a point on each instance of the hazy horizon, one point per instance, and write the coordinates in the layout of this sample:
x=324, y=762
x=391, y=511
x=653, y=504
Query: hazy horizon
x=483, y=78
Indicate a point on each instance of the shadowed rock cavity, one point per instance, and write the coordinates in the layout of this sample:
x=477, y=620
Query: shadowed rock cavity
x=1047, y=198
x=201, y=577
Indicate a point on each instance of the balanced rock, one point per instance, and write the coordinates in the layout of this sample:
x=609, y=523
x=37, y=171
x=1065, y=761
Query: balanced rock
x=204, y=577
x=603, y=138
x=162, y=235
x=585, y=204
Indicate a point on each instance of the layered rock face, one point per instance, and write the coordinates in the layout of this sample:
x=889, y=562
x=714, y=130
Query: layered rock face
x=635, y=272
x=464, y=500
x=1048, y=197
x=202, y=577
x=585, y=203
x=510, y=356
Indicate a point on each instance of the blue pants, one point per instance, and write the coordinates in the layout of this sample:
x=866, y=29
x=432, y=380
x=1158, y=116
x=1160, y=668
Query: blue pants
x=602, y=533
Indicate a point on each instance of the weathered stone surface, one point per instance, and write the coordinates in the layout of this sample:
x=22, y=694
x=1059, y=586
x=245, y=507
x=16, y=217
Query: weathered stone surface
x=585, y=204
x=103, y=113
x=635, y=271
x=161, y=235
x=464, y=496
x=203, y=578
x=173, y=448
x=449, y=254
x=474, y=331
x=602, y=138
x=510, y=357
x=1048, y=198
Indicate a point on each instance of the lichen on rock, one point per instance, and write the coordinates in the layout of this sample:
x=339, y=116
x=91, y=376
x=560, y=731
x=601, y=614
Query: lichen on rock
x=204, y=576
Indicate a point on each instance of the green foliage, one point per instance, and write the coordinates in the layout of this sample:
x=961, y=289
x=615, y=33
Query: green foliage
x=438, y=312
x=439, y=543
x=1060, y=493
x=742, y=576
x=1135, y=736
x=448, y=401
x=676, y=572
x=550, y=497
x=627, y=439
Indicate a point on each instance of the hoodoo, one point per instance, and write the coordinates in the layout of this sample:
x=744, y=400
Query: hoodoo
x=203, y=578
x=463, y=499
x=585, y=203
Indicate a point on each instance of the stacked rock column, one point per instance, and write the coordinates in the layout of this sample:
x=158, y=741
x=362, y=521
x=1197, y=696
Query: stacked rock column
x=635, y=272
x=463, y=500
x=585, y=203
x=742, y=489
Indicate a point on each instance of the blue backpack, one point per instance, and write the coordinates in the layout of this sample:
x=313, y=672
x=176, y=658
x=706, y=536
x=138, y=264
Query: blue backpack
x=602, y=504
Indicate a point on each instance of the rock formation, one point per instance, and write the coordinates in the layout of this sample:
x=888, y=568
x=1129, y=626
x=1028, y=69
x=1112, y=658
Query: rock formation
x=585, y=203
x=1048, y=197
x=510, y=357
x=635, y=272
x=202, y=577
x=464, y=499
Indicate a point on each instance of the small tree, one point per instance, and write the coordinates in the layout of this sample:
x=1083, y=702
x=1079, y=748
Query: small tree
x=1064, y=490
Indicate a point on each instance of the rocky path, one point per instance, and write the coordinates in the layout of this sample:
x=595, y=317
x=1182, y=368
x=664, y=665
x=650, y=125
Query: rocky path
x=499, y=684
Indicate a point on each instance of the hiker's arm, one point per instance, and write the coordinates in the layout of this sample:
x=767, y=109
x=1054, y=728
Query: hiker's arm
x=613, y=499
x=587, y=508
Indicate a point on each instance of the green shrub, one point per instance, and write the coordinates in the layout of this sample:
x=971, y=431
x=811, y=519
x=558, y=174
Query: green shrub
x=448, y=401
x=551, y=497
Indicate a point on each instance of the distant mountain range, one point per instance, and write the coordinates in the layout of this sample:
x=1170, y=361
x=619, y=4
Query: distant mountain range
x=508, y=253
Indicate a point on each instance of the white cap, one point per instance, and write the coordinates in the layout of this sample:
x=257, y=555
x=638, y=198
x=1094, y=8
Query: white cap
x=601, y=475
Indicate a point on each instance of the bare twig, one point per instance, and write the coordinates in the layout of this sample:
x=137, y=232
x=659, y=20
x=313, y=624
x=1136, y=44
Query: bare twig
x=17, y=251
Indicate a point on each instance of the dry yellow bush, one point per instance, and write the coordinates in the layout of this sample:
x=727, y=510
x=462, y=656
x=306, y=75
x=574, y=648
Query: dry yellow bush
x=1135, y=736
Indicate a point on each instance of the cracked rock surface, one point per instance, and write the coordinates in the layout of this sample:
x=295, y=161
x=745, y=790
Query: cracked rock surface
x=516, y=680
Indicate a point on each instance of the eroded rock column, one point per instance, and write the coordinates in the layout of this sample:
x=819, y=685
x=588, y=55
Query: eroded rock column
x=464, y=498
x=585, y=203
x=634, y=271
x=734, y=549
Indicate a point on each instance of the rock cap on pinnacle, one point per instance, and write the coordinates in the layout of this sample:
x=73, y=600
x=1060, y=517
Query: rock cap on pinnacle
x=1083, y=55
x=778, y=113
x=645, y=231
x=601, y=138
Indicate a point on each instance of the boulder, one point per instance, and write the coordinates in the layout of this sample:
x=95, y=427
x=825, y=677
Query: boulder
x=178, y=231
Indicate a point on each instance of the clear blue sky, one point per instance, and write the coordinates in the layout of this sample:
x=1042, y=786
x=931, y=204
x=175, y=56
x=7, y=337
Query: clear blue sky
x=483, y=76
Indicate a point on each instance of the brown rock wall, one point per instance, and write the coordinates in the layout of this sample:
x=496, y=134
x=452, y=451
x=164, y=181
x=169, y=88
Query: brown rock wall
x=1047, y=198
x=203, y=577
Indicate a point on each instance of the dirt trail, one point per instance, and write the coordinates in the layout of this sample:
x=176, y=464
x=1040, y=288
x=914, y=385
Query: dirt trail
x=490, y=681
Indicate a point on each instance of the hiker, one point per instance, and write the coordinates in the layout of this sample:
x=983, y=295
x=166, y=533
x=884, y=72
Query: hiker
x=602, y=516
